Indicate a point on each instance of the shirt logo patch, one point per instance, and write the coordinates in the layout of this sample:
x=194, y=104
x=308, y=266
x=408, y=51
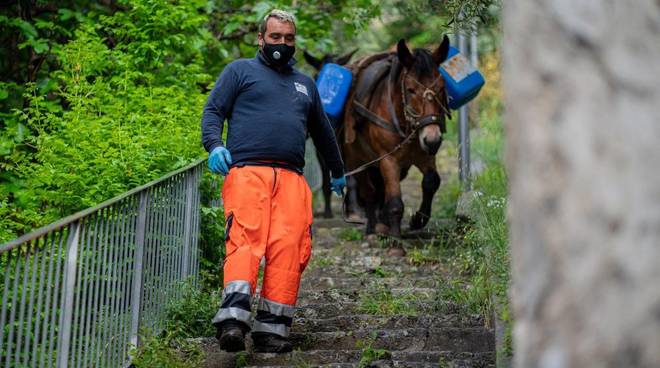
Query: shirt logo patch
x=301, y=88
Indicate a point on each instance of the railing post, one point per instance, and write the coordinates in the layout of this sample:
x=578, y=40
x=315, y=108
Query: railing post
x=187, y=230
x=463, y=127
x=136, y=294
x=64, y=338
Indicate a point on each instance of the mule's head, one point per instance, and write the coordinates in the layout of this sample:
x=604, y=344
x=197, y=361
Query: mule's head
x=423, y=94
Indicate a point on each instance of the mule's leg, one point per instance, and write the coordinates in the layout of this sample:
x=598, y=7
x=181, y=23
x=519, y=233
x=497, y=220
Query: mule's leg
x=327, y=193
x=368, y=194
x=430, y=184
x=393, y=208
x=353, y=210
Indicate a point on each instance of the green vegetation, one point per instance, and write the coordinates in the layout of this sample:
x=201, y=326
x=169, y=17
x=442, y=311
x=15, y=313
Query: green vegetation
x=380, y=301
x=369, y=354
x=165, y=350
x=190, y=316
x=99, y=97
x=241, y=359
x=351, y=234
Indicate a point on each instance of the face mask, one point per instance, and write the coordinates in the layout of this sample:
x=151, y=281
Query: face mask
x=279, y=54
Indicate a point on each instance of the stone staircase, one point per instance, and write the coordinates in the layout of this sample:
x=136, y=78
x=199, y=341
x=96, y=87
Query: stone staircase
x=360, y=307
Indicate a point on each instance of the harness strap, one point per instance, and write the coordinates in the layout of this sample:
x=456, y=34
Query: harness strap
x=366, y=113
x=390, y=105
x=431, y=119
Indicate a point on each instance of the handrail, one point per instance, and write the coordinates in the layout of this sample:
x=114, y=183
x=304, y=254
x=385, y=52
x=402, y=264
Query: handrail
x=78, y=291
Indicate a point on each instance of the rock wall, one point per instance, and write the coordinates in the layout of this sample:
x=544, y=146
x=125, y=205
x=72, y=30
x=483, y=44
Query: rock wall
x=582, y=87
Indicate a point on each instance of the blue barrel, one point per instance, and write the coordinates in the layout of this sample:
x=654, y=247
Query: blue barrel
x=334, y=83
x=462, y=80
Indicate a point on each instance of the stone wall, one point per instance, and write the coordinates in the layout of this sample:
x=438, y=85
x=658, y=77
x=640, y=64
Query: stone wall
x=582, y=87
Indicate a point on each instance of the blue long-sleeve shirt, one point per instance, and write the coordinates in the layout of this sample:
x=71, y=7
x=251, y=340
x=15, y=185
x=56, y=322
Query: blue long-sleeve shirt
x=269, y=114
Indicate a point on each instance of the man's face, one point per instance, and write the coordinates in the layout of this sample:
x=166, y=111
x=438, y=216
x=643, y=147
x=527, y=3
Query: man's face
x=277, y=32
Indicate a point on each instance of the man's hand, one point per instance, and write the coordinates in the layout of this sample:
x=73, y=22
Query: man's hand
x=337, y=185
x=219, y=160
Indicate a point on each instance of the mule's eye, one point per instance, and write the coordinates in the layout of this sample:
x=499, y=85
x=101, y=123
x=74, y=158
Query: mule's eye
x=411, y=91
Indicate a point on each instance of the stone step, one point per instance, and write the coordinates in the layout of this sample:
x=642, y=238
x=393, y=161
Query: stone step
x=366, y=321
x=350, y=358
x=352, y=251
x=323, y=310
x=471, y=339
x=355, y=283
x=372, y=268
x=215, y=358
x=390, y=364
x=348, y=295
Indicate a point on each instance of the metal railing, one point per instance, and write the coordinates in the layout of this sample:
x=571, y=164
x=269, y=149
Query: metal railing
x=77, y=292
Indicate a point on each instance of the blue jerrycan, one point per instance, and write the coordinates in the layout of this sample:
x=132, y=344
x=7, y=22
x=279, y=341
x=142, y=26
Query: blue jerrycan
x=334, y=83
x=462, y=80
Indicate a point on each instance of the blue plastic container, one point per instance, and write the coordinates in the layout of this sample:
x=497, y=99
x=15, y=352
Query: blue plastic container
x=334, y=83
x=462, y=80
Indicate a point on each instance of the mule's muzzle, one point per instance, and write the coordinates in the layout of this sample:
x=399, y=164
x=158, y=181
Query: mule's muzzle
x=431, y=146
x=430, y=136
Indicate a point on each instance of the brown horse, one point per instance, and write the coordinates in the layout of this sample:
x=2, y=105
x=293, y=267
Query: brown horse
x=395, y=116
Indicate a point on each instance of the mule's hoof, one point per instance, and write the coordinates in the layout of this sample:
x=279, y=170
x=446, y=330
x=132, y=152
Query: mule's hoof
x=418, y=221
x=354, y=218
x=396, y=252
x=382, y=229
x=373, y=240
x=327, y=214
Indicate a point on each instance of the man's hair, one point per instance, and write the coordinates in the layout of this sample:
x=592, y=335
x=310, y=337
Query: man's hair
x=282, y=15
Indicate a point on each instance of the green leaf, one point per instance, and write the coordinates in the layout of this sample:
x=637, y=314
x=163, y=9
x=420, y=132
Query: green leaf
x=28, y=29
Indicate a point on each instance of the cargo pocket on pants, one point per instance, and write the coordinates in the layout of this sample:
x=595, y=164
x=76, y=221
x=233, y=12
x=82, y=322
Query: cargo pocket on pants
x=306, y=249
x=229, y=250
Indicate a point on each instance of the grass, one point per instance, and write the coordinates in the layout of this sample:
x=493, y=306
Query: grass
x=382, y=302
x=369, y=354
x=350, y=234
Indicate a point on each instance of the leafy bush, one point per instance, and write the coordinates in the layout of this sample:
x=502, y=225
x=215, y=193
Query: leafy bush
x=191, y=315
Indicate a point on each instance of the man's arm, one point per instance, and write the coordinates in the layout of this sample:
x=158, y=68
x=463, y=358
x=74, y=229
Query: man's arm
x=218, y=107
x=323, y=136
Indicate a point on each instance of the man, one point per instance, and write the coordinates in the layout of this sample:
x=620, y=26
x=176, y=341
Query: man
x=270, y=108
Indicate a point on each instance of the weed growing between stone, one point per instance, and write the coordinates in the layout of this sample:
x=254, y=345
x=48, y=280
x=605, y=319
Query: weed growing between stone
x=351, y=234
x=382, y=302
x=165, y=350
x=369, y=354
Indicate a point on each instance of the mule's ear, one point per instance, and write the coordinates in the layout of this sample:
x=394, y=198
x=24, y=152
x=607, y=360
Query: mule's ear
x=342, y=60
x=311, y=60
x=440, y=54
x=404, y=55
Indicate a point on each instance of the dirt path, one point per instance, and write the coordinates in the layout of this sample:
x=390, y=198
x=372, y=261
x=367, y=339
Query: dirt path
x=360, y=307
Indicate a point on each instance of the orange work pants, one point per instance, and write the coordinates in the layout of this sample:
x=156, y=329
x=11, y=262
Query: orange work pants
x=269, y=214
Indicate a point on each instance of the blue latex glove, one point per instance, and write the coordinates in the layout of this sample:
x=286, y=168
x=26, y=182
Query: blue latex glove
x=337, y=185
x=219, y=160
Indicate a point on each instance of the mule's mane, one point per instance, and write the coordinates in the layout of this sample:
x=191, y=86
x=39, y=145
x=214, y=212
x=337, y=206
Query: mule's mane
x=424, y=63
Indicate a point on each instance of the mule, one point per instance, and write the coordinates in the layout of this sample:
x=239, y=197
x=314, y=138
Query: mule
x=395, y=116
x=352, y=209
